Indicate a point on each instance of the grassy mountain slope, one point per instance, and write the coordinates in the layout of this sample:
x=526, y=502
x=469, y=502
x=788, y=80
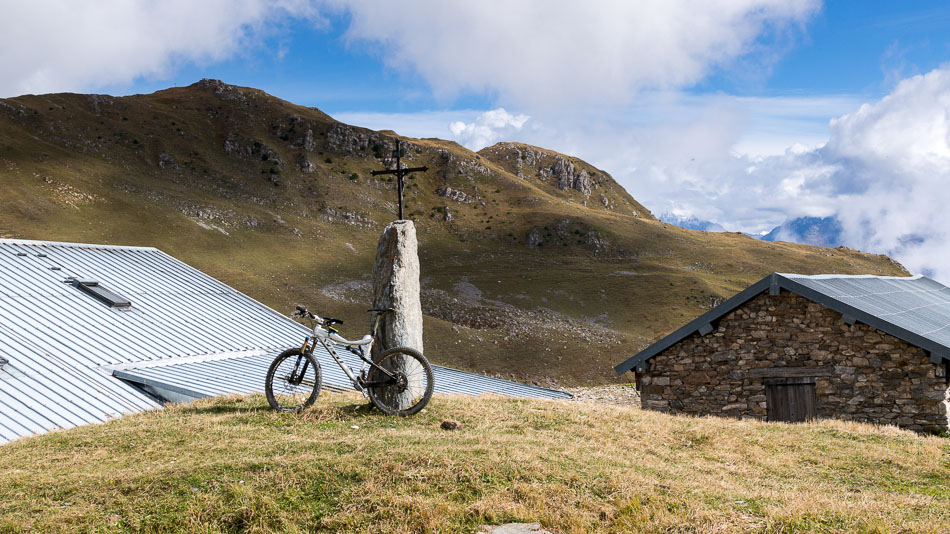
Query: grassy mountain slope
x=233, y=465
x=536, y=265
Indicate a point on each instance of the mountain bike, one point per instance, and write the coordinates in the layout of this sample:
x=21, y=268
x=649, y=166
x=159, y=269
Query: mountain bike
x=398, y=381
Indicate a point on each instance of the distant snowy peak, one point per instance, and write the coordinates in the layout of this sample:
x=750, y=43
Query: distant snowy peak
x=820, y=231
x=691, y=222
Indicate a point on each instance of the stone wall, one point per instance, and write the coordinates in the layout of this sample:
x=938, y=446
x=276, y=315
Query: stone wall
x=869, y=376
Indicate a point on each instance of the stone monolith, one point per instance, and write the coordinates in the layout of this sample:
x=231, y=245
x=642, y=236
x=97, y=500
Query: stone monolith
x=396, y=285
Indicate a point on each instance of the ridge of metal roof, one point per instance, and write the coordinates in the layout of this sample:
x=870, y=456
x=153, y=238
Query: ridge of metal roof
x=800, y=285
x=848, y=276
x=35, y=243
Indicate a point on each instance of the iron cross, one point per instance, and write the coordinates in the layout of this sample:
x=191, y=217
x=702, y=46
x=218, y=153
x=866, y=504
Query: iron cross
x=400, y=173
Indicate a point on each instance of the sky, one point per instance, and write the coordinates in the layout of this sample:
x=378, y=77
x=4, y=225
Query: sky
x=743, y=112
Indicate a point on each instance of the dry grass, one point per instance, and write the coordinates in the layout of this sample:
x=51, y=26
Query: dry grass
x=231, y=465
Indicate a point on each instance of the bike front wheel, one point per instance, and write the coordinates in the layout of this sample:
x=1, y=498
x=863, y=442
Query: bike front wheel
x=293, y=381
x=410, y=387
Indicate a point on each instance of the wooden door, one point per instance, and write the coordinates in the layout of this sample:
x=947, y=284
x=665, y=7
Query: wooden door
x=791, y=400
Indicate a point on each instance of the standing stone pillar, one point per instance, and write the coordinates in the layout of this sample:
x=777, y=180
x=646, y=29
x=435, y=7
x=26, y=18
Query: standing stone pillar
x=396, y=285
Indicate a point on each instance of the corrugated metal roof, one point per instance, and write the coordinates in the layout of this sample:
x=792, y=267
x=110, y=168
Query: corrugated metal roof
x=915, y=309
x=245, y=374
x=62, y=345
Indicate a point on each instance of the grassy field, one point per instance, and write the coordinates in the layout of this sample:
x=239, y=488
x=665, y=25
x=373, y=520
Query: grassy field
x=231, y=465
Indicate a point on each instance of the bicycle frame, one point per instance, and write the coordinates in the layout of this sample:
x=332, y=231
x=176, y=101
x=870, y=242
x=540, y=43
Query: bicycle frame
x=324, y=336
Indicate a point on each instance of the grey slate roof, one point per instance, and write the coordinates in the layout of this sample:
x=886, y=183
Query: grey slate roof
x=73, y=360
x=915, y=309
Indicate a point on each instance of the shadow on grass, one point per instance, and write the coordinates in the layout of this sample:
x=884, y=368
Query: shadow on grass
x=318, y=412
x=331, y=412
x=227, y=409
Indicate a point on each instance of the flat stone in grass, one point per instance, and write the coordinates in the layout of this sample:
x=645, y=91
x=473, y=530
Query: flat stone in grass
x=515, y=528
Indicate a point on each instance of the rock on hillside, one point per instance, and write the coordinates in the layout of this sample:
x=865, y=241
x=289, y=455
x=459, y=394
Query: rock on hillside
x=577, y=178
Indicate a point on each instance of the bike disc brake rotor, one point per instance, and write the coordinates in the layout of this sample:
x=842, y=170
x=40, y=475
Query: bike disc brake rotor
x=402, y=382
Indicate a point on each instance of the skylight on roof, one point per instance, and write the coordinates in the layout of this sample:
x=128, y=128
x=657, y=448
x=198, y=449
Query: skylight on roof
x=112, y=299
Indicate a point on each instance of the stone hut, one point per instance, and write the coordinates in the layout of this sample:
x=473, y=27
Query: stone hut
x=792, y=347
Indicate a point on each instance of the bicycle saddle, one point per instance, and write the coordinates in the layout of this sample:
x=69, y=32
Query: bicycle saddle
x=367, y=339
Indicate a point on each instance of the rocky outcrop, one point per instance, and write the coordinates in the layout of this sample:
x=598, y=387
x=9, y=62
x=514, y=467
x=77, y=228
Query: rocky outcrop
x=305, y=165
x=306, y=141
x=566, y=176
x=548, y=166
x=598, y=242
x=14, y=110
x=454, y=194
x=569, y=232
x=222, y=90
x=348, y=217
x=97, y=102
x=581, y=183
x=268, y=154
x=233, y=146
x=350, y=141
x=458, y=166
x=533, y=239
x=296, y=131
x=166, y=161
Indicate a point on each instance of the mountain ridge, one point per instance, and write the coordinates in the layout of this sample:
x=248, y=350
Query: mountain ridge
x=820, y=231
x=552, y=276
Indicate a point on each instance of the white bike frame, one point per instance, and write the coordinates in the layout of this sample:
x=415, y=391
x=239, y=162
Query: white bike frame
x=329, y=337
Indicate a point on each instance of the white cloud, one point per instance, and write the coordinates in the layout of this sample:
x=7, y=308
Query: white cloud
x=61, y=45
x=894, y=168
x=489, y=128
x=417, y=124
x=474, y=129
x=546, y=55
x=884, y=171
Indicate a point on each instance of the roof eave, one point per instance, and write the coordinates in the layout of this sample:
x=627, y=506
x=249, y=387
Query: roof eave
x=696, y=324
x=777, y=281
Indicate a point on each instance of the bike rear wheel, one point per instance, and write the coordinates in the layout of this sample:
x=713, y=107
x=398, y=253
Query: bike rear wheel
x=412, y=387
x=293, y=381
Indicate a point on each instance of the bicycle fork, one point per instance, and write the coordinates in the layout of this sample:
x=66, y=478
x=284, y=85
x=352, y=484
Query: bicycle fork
x=295, y=378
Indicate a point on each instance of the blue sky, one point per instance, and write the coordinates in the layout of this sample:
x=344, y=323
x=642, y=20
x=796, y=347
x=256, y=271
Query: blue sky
x=865, y=47
x=849, y=47
x=839, y=56
x=742, y=112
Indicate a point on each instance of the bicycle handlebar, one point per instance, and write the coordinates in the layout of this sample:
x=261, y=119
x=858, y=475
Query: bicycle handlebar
x=305, y=312
x=325, y=321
